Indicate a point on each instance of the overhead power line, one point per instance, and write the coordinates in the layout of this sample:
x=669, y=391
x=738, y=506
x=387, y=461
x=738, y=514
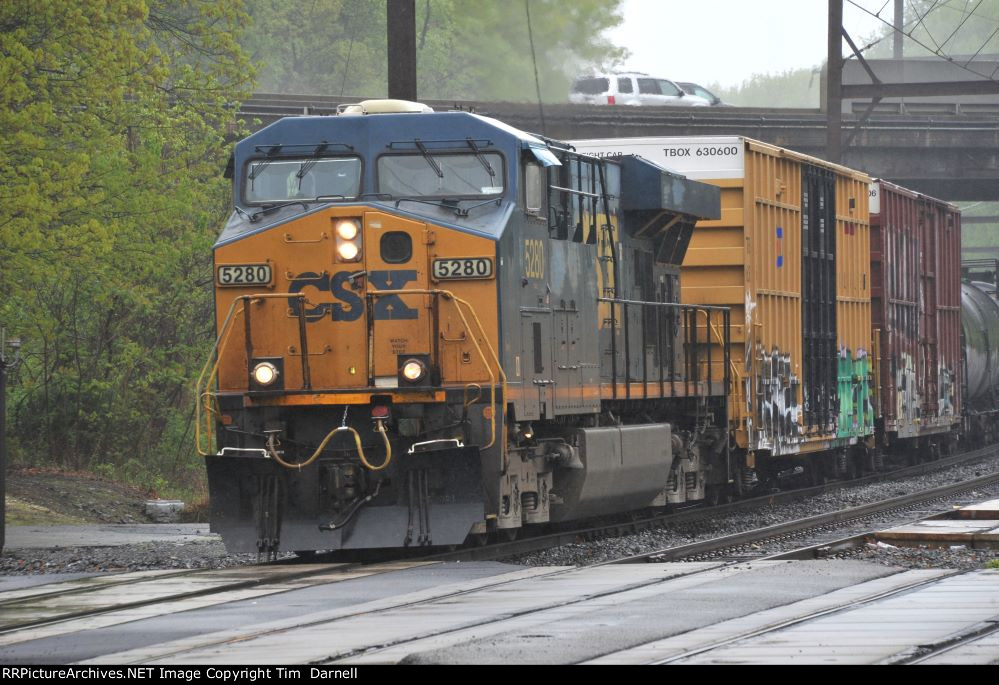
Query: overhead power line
x=936, y=51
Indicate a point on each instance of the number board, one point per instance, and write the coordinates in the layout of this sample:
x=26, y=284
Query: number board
x=465, y=267
x=236, y=275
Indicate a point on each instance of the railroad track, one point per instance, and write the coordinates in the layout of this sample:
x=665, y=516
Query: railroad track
x=826, y=628
x=384, y=630
x=618, y=528
x=88, y=603
x=956, y=649
x=737, y=545
x=62, y=608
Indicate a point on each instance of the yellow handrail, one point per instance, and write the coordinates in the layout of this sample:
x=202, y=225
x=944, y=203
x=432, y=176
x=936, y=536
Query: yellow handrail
x=206, y=377
x=214, y=361
x=447, y=294
x=721, y=339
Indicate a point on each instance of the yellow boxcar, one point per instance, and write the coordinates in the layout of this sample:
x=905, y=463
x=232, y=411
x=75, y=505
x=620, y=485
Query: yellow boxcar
x=791, y=256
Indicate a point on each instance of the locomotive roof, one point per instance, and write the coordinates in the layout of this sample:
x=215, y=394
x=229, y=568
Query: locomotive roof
x=371, y=135
x=372, y=130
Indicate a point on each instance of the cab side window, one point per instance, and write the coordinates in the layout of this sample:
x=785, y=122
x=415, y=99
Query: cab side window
x=535, y=184
x=576, y=199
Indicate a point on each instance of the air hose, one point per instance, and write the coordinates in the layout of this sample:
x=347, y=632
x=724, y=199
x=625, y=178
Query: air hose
x=379, y=426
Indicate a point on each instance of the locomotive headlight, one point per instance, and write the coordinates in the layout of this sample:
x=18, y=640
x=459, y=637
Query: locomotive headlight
x=348, y=251
x=414, y=370
x=348, y=239
x=347, y=229
x=265, y=373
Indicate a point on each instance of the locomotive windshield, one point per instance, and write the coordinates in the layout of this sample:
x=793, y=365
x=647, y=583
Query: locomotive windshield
x=270, y=180
x=441, y=175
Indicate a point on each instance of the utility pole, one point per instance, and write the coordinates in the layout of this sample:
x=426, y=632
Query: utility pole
x=401, y=30
x=834, y=83
x=6, y=363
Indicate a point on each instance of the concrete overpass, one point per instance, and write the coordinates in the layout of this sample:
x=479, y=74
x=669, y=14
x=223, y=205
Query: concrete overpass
x=953, y=157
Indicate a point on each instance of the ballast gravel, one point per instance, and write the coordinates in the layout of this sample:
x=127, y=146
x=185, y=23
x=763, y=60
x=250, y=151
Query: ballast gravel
x=212, y=554
x=144, y=556
x=582, y=554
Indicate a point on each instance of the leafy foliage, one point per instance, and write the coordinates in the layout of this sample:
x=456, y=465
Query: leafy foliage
x=468, y=49
x=112, y=118
x=115, y=118
x=951, y=27
x=792, y=88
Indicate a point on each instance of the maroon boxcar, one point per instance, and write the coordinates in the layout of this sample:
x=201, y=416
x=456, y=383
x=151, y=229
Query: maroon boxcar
x=916, y=303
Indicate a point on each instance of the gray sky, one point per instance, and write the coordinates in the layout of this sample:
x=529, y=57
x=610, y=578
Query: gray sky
x=727, y=41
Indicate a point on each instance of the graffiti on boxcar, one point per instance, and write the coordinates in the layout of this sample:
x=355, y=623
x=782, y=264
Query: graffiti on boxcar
x=856, y=408
x=779, y=410
x=907, y=400
x=947, y=390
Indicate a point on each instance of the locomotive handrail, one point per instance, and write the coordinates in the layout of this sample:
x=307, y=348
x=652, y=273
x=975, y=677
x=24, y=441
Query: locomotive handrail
x=447, y=294
x=684, y=309
x=721, y=339
x=204, y=396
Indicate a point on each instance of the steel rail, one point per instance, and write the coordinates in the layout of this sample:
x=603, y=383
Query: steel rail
x=24, y=602
x=505, y=549
x=812, y=522
x=537, y=543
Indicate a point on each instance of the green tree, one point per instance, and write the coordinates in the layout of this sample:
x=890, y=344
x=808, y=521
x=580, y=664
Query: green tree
x=113, y=115
x=476, y=49
x=948, y=27
x=790, y=88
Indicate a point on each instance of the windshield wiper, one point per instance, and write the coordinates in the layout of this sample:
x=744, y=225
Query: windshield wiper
x=482, y=160
x=449, y=203
x=307, y=165
x=430, y=160
x=266, y=210
x=259, y=168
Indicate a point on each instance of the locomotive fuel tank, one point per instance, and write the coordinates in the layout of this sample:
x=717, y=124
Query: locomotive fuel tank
x=980, y=323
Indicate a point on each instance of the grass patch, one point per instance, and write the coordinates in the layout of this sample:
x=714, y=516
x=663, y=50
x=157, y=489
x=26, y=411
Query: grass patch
x=20, y=513
x=993, y=564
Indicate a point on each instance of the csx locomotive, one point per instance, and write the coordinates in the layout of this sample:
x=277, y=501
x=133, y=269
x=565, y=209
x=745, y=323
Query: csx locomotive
x=433, y=326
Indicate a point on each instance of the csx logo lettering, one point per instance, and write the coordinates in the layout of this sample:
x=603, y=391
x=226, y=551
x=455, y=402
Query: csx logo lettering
x=534, y=259
x=348, y=305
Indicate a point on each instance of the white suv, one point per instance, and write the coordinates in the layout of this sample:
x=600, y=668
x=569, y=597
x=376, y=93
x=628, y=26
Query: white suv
x=631, y=89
